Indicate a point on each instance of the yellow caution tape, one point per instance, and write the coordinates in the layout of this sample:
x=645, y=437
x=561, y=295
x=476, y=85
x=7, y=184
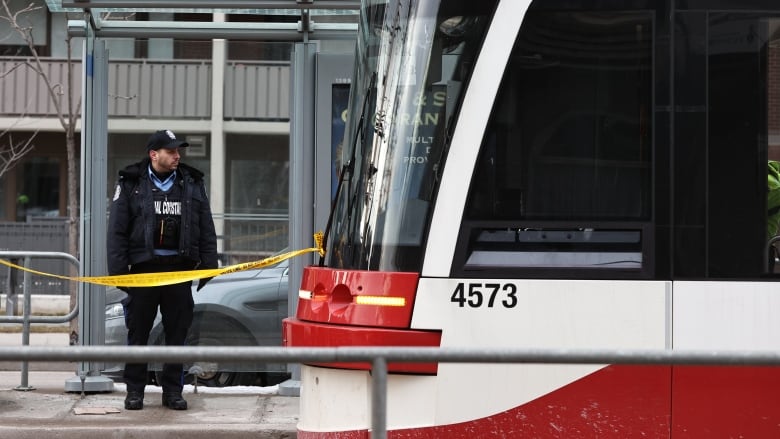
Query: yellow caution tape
x=174, y=277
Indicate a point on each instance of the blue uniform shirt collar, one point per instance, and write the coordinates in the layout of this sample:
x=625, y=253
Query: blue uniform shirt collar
x=163, y=185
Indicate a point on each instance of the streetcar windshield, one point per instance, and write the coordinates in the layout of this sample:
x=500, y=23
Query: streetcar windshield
x=413, y=59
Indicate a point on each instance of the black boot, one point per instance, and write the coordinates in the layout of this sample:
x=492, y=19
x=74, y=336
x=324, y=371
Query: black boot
x=174, y=401
x=134, y=401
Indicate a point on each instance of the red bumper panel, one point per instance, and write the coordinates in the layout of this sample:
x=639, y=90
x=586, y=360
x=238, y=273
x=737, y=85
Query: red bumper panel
x=298, y=333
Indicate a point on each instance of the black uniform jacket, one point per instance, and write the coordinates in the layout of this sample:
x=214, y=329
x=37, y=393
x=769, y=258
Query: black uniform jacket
x=132, y=220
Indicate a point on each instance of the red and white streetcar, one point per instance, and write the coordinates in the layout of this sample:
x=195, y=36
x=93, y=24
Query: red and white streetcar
x=553, y=174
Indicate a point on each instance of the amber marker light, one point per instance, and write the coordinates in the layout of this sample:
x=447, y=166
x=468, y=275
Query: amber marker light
x=380, y=300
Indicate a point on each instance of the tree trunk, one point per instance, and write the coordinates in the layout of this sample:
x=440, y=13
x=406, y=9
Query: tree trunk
x=73, y=222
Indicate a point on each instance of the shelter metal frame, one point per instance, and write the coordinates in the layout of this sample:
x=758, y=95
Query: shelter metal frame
x=94, y=28
x=305, y=28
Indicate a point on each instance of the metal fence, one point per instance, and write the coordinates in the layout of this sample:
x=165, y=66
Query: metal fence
x=246, y=237
x=249, y=237
x=36, y=236
x=380, y=357
x=11, y=300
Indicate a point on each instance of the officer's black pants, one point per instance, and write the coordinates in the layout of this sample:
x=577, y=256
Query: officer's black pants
x=176, y=305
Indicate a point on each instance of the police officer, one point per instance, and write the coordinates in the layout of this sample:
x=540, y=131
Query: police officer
x=160, y=221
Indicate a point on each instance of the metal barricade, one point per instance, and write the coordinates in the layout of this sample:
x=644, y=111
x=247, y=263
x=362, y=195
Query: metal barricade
x=380, y=357
x=26, y=318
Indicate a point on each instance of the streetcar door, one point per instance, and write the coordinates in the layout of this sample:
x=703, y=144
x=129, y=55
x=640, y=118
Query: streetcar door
x=723, y=137
x=727, y=121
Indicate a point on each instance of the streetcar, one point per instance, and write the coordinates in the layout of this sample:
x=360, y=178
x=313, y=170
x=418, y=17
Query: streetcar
x=553, y=174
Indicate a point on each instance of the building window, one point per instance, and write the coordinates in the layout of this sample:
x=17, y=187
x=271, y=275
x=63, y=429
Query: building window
x=38, y=189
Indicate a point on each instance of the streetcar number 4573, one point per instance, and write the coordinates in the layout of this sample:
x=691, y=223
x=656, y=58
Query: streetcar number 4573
x=476, y=295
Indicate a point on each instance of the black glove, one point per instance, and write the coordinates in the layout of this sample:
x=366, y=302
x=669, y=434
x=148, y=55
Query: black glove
x=202, y=283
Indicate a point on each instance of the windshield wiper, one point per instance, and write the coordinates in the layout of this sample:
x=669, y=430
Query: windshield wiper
x=349, y=166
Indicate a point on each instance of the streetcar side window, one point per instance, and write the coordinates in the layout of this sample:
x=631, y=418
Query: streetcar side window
x=620, y=146
x=570, y=134
x=564, y=174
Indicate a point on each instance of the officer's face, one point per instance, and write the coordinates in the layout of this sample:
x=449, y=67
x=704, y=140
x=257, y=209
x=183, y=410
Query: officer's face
x=165, y=160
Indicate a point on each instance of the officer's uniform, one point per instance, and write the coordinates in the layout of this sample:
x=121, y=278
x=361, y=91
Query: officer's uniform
x=175, y=301
x=159, y=225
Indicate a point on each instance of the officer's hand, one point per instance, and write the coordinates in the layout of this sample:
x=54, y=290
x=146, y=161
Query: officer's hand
x=125, y=289
x=202, y=283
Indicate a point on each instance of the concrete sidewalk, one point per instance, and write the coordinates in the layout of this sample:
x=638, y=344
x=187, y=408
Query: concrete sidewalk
x=50, y=412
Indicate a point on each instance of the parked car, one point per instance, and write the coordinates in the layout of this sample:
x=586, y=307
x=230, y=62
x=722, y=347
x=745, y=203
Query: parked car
x=245, y=308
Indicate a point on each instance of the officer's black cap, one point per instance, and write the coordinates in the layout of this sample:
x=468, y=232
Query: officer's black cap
x=164, y=139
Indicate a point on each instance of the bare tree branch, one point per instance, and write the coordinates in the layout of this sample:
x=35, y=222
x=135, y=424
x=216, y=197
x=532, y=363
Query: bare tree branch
x=13, y=17
x=5, y=73
x=68, y=117
x=12, y=151
x=55, y=90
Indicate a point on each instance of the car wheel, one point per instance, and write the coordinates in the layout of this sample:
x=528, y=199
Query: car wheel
x=209, y=373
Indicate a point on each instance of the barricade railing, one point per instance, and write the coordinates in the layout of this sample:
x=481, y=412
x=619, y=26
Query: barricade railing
x=380, y=357
x=27, y=318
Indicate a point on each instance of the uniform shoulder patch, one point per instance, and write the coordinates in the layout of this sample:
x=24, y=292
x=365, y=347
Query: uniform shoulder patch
x=117, y=192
